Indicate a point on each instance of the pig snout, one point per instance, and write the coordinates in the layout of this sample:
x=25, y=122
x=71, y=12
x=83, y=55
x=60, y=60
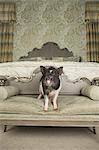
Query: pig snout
x=49, y=80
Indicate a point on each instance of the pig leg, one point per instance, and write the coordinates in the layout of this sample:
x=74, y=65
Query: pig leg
x=39, y=97
x=46, y=102
x=55, y=101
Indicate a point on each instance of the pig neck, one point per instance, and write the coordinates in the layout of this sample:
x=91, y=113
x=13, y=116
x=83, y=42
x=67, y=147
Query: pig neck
x=49, y=89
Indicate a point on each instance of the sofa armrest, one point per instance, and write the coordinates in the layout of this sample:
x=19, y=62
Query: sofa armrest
x=8, y=91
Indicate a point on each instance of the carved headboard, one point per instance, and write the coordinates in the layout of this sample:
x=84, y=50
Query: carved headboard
x=49, y=50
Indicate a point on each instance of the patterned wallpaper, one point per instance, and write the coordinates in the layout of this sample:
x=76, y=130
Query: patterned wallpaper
x=40, y=21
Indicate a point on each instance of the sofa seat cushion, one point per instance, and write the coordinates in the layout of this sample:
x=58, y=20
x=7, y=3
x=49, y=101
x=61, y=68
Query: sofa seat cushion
x=68, y=105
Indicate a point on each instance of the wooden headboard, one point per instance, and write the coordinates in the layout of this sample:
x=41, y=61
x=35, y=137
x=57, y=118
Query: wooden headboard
x=49, y=50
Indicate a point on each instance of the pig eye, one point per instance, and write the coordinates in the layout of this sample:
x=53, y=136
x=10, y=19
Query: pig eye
x=51, y=78
x=46, y=78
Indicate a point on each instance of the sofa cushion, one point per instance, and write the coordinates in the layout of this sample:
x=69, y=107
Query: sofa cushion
x=74, y=59
x=67, y=105
x=8, y=91
x=72, y=87
x=30, y=87
x=91, y=91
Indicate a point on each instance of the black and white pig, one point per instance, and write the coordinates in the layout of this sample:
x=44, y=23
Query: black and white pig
x=50, y=85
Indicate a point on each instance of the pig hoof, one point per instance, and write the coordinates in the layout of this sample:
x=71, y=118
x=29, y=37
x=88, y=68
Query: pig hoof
x=55, y=109
x=45, y=110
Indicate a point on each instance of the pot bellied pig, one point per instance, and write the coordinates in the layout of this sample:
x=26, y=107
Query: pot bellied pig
x=50, y=85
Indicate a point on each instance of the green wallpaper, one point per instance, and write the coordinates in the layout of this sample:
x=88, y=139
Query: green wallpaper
x=40, y=21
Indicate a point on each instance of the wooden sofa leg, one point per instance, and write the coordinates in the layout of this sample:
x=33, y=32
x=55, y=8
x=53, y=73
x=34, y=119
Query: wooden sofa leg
x=93, y=130
x=5, y=128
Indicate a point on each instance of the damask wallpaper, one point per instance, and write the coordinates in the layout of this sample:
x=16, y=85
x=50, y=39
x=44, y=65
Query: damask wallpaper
x=40, y=21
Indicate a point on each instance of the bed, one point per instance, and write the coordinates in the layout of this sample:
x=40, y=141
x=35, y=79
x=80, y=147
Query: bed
x=24, y=108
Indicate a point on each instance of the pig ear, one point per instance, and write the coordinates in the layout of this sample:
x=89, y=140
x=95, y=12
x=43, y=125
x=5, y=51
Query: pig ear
x=43, y=69
x=60, y=70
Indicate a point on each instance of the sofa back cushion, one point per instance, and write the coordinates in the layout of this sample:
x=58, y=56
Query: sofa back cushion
x=32, y=87
x=72, y=87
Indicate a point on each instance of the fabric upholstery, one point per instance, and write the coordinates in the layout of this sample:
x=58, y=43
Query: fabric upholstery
x=8, y=91
x=67, y=105
x=72, y=88
x=74, y=58
x=31, y=87
x=91, y=91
